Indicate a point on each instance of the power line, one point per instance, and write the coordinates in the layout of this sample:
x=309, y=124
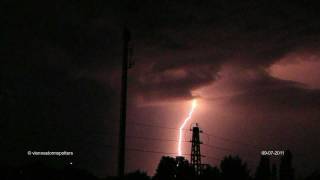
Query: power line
x=210, y=135
x=234, y=141
x=168, y=140
x=218, y=147
x=214, y=158
x=172, y=153
x=156, y=126
x=207, y=145
x=154, y=139
x=161, y=139
x=174, y=140
x=162, y=152
x=144, y=150
x=155, y=152
x=144, y=138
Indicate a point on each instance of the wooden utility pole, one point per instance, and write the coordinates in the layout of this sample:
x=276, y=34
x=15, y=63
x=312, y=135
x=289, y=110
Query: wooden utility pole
x=123, y=105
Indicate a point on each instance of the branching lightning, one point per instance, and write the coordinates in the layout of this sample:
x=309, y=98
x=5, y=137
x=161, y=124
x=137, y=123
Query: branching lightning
x=194, y=105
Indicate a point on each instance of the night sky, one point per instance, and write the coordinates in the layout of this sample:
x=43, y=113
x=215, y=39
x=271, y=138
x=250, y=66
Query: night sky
x=253, y=67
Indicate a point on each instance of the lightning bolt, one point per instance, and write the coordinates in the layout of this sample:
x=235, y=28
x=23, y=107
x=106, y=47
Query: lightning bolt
x=194, y=105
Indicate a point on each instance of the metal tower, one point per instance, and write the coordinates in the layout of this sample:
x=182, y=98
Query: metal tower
x=195, y=149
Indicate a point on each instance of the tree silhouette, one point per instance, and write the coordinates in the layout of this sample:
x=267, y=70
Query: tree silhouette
x=137, y=175
x=274, y=172
x=174, y=168
x=166, y=169
x=314, y=176
x=184, y=170
x=40, y=171
x=233, y=168
x=263, y=171
x=210, y=172
x=286, y=169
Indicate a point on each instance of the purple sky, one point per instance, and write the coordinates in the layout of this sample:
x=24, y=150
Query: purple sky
x=252, y=66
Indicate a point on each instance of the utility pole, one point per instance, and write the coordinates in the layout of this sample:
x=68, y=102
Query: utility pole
x=195, y=150
x=123, y=104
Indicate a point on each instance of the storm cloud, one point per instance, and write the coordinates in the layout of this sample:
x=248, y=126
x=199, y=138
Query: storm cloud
x=60, y=70
x=193, y=35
